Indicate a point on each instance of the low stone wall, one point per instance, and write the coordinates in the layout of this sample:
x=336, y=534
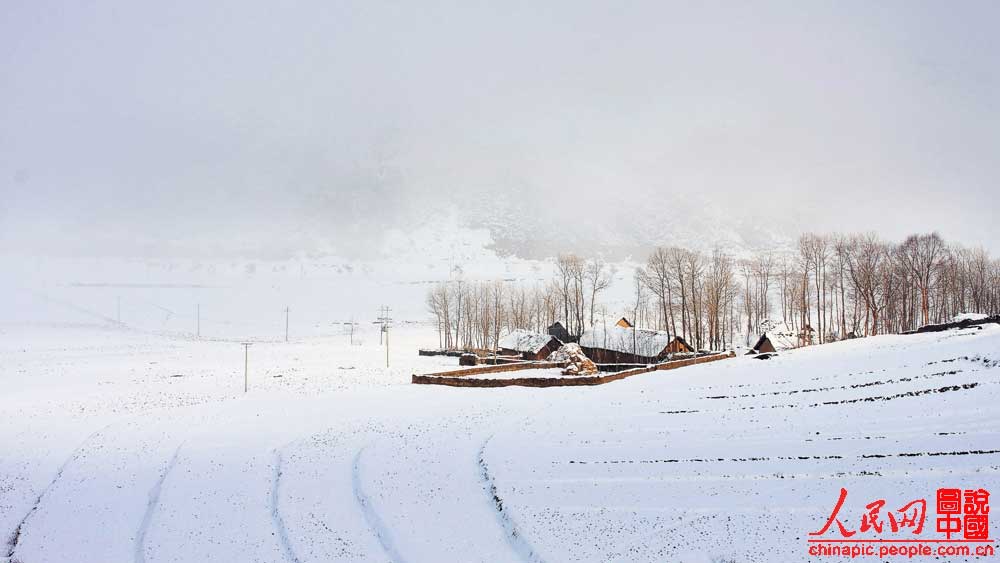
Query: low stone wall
x=615, y=368
x=498, y=368
x=967, y=323
x=451, y=353
x=459, y=378
x=674, y=364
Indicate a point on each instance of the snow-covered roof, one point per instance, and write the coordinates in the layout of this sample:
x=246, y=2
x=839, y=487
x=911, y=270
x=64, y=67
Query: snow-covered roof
x=969, y=317
x=525, y=341
x=781, y=335
x=639, y=341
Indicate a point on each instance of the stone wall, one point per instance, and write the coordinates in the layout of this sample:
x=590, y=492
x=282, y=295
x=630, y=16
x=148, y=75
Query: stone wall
x=459, y=378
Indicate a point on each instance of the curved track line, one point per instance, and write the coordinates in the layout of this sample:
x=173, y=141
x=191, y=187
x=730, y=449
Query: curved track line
x=371, y=516
x=16, y=535
x=515, y=538
x=154, y=501
x=279, y=522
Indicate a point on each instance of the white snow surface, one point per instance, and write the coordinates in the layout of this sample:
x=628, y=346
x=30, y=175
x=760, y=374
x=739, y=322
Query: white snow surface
x=123, y=446
x=542, y=373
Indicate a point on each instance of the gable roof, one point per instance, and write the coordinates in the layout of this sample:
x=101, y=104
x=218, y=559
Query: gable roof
x=682, y=342
x=781, y=335
x=760, y=342
x=638, y=341
x=525, y=341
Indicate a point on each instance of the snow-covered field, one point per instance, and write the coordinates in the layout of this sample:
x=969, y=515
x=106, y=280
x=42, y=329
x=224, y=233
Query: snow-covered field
x=125, y=446
x=135, y=441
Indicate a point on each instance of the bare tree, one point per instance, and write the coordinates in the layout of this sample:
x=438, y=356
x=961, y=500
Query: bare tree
x=923, y=256
x=598, y=278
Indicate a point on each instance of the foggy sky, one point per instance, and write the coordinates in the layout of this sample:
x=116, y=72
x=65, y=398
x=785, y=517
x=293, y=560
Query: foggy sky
x=296, y=121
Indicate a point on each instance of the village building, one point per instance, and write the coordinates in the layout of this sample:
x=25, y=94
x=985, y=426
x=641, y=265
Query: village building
x=679, y=346
x=559, y=331
x=763, y=346
x=779, y=337
x=529, y=345
x=624, y=323
x=618, y=345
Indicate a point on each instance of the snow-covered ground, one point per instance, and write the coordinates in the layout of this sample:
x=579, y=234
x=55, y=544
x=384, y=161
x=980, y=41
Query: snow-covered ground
x=135, y=441
x=127, y=446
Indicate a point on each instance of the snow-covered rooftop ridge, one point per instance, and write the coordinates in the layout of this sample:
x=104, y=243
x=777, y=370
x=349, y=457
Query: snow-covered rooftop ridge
x=524, y=341
x=969, y=317
x=639, y=341
x=781, y=335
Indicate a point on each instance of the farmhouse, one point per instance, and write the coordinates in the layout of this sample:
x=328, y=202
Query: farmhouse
x=559, y=331
x=679, y=346
x=529, y=345
x=630, y=345
x=779, y=337
x=763, y=346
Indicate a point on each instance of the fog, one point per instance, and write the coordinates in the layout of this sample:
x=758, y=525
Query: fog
x=255, y=127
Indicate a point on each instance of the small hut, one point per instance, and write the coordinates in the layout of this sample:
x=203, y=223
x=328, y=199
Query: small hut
x=679, y=346
x=624, y=323
x=763, y=346
x=529, y=345
x=617, y=345
x=559, y=331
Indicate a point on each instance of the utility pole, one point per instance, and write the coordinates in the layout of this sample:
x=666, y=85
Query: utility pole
x=286, y=324
x=385, y=320
x=246, y=365
x=199, y=320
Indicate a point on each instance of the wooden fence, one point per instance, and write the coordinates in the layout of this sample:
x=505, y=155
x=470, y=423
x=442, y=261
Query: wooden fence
x=461, y=378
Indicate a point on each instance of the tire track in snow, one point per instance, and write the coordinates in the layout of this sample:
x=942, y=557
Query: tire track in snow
x=371, y=516
x=16, y=534
x=521, y=546
x=279, y=522
x=154, y=501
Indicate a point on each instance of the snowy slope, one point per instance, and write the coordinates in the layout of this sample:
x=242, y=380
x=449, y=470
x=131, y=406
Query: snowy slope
x=122, y=446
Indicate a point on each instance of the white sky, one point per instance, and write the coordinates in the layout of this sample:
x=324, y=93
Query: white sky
x=206, y=120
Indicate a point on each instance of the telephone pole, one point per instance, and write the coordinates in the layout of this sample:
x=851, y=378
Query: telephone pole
x=246, y=365
x=385, y=321
x=286, y=324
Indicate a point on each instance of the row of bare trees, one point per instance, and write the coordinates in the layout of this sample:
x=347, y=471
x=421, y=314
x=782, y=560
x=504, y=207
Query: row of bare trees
x=475, y=314
x=840, y=285
x=688, y=294
x=865, y=285
x=829, y=286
